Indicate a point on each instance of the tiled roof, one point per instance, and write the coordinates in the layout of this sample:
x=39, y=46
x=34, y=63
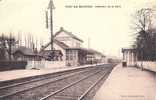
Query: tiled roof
x=69, y=33
x=46, y=52
x=90, y=51
x=61, y=44
x=96, y=52
x=25, y=51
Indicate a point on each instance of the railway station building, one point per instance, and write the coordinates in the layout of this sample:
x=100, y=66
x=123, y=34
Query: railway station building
x=71, y=52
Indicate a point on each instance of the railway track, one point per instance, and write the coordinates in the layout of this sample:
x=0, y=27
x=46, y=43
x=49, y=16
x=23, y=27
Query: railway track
x=82, y=86
x=74, y=85
x=38, y=77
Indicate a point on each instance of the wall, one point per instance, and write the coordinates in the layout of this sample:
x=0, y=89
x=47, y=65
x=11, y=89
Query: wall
x=67, y=39
x=54, y=64
x=72, y=58
x=45, y=64
x=12, y=65
x=149, y=65
x=35, y=64
x=62, y=50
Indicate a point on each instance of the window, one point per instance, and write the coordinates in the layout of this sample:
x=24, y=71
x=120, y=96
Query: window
x=74, y=54
x=67, y=55
x=71, y=55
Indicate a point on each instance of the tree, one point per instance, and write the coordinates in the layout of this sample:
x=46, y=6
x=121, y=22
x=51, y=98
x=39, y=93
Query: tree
x=143, y=19
x=6, y=44
x=145, y=34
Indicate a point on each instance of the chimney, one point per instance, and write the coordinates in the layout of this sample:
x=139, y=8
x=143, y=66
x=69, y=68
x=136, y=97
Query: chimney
x=61, y=28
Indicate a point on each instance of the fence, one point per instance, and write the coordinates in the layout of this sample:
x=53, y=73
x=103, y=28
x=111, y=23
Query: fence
x=45, y=64
x=149, y=65
x=11, y=65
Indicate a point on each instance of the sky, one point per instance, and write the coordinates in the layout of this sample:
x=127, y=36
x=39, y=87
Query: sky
x=108, y=29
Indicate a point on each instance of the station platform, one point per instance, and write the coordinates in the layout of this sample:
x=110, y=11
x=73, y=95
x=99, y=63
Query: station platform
x=128, y=83
x=17, y=74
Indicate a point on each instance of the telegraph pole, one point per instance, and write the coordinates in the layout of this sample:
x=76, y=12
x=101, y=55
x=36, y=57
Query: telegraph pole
x=51, y=7
x=51, y=23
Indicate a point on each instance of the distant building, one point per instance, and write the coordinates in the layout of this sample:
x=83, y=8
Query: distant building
x=25, y=54
x=95, y=56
